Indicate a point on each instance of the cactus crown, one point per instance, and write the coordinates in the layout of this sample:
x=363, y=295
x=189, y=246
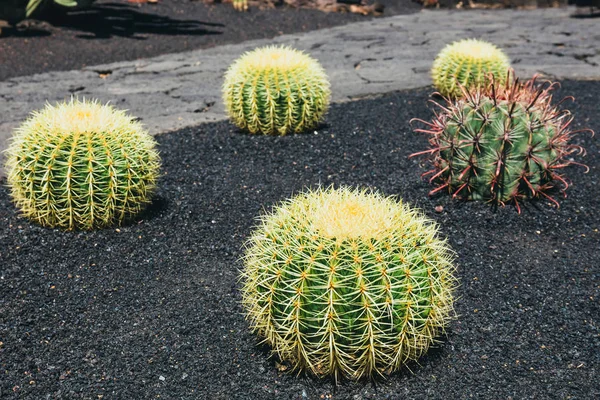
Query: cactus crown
x=81, y=165
x=345, y=214
x=467, y=63
x=282, y=59
x=501, y=143
x=276, y=90
x=347, y=282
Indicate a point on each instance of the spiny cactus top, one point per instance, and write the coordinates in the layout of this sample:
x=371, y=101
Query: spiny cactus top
x=240, y=5
x=81, y=165
x=347, y=282
x=501, y=143
x=276, y=90
x=467, y=62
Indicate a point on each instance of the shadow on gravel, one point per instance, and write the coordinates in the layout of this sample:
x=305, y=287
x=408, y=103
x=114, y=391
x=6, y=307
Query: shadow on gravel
x=155, y=209
x=107, y=20
x=24, y=33
x=584, y=15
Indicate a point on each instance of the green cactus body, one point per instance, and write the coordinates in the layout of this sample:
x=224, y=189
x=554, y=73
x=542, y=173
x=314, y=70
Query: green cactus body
x=466, y=64
x=81, y=165
x=347, y=282
x=276, y=90
x=501, y=144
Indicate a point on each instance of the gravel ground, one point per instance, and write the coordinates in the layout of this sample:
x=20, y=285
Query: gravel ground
x=117, y=31
x=152, y=310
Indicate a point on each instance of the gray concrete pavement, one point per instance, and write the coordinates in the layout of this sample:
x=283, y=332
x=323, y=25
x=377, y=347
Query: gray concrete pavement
x=382, y=55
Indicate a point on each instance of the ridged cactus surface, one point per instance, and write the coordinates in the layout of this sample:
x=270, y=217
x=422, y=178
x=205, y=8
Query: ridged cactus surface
x=501, y=144
x=81, y=165
x=467, y=63
x=347, y=282
x=276, y=90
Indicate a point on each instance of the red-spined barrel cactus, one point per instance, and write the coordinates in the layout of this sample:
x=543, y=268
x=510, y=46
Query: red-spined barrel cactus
x=501, y=143
x=347, y=282
x=81, y=165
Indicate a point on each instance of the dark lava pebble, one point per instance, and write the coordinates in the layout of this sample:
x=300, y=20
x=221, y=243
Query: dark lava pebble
x=117, y=31
x=152, y=310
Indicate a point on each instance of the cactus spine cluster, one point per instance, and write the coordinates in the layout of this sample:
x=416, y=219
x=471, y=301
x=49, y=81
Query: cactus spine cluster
x=240, y=5
x=276, y=90
x=501, y=143
x=467, y=63
x=81, y=165
x=347, y=282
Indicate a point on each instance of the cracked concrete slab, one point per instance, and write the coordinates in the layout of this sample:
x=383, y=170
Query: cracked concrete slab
x=366, y=58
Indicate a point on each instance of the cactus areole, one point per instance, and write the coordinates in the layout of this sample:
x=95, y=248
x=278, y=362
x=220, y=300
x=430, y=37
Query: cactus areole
x=501, y=143
x=347, y=282
x=81, y=165
x=276, y=90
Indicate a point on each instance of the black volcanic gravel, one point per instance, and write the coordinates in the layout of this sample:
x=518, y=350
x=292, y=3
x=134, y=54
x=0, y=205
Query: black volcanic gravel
x=152, y=310
x=117, y=31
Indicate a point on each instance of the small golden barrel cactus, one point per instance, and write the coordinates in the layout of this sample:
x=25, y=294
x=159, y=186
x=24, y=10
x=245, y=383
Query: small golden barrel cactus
x=240, y=5
x=81, y=165
x=276, y=90
x=467, y=63
x=347, y=282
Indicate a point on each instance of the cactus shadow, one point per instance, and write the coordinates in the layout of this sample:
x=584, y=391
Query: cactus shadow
x=155, y=209
x=585, y=14
x=103, y=21
x=536, y=205
x=18, y=32
x=433, y=356
x=525, y=206
x=321, y=127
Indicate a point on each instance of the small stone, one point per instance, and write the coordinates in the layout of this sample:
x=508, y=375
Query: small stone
x=161, y=378
x=439, y=209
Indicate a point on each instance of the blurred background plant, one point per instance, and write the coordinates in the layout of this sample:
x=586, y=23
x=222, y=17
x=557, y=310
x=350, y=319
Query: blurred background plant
x=14, y=11
x=32, y=5
x=365, y=7
x=240, y=5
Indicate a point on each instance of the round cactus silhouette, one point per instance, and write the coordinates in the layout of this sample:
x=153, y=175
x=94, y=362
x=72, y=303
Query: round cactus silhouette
x=465, y=64
x=81, y=165
x=276, y=90
x=347, y=282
